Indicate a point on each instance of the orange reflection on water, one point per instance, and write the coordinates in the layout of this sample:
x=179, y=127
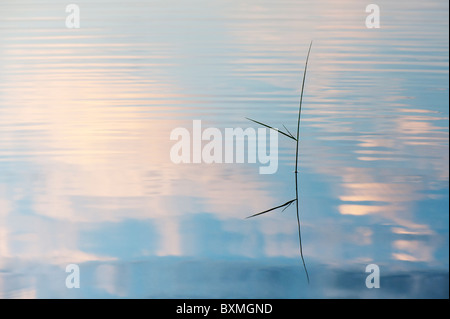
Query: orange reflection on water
x=413, y=250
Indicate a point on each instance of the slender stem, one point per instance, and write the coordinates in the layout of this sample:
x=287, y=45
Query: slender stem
x=300, y=109
x=296, y=164
x=299, y=230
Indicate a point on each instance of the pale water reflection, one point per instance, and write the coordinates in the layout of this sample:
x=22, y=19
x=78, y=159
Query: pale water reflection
x=85, y=169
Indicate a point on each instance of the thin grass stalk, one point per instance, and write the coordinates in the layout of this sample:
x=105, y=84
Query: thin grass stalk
x=296, y=164
x=297, y=139
x=300, y=108
x=299, y=231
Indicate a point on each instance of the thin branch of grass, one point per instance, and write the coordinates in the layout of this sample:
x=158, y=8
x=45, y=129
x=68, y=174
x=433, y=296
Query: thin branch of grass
x=296, y=164
x=287, y=204
x=297, y=139
x=272, y=128
x=300, y=108
x=299, y=230
x=289, y=132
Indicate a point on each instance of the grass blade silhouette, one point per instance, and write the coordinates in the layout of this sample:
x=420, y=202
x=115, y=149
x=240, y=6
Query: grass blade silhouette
x=299, y=231
x=296, y=163
x=272, y=128
x=300, y=108
x=289, y=132
x=287, y=204
x=297, y=139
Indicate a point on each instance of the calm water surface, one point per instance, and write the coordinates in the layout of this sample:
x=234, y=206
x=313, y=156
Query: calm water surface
x=86, y=176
